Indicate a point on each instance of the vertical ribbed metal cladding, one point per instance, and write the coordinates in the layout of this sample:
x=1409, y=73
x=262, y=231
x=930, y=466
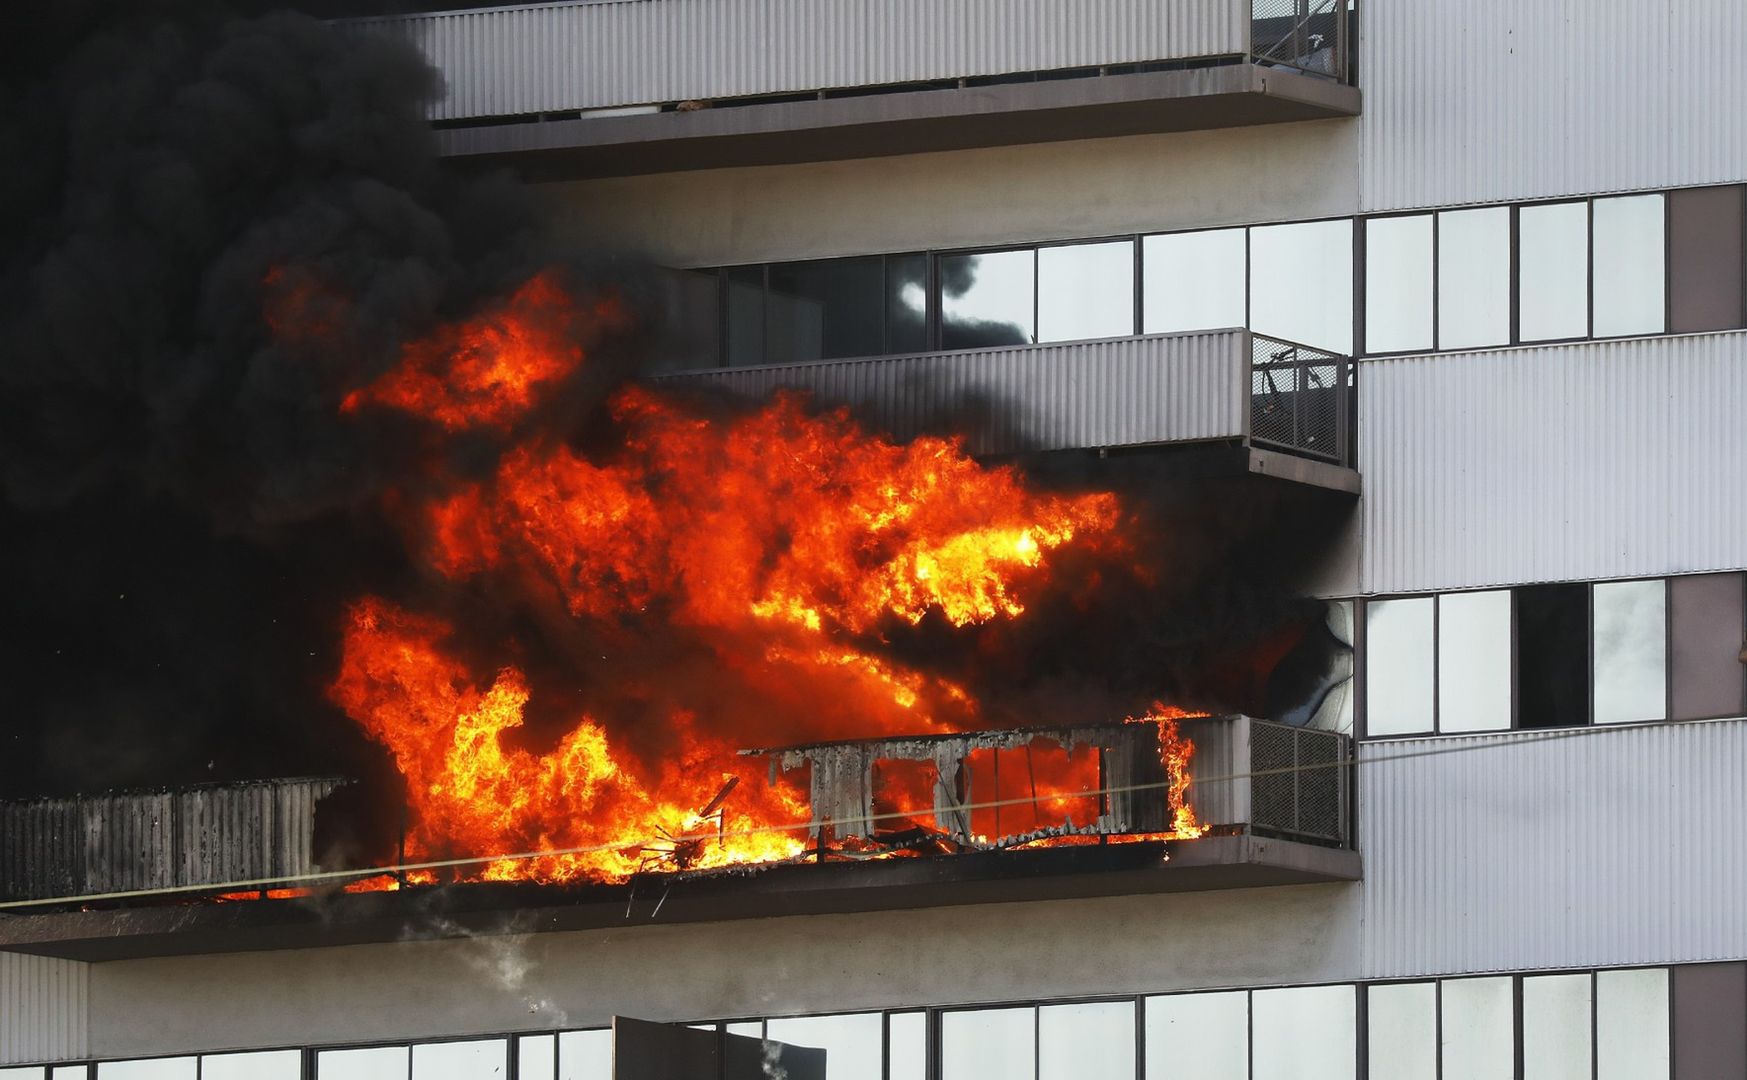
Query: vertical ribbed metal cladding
x=1570, y=462
x=148, y=840
x=552, y=57
x=43, y=1009
x=1081, y=395
x=1488, y=100
x=1600, y=847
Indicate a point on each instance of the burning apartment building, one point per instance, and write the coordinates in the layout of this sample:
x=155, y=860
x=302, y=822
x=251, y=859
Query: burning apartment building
x=867, y=540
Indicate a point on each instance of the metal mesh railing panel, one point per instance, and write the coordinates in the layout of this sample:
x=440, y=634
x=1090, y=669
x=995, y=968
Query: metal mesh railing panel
x=1300, y=399
x=1299, y=783
x=1310, y=35
x=1273, y=779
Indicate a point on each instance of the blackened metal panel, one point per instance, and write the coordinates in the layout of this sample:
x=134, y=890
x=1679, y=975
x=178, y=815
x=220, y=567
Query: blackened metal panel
x=1710, y=1021
x=130, y=842
x=42, y=847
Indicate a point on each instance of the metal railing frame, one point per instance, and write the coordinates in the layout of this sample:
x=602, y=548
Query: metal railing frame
x=1291, y=49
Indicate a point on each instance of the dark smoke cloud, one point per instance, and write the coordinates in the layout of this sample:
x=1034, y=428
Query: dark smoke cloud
x=182, y=512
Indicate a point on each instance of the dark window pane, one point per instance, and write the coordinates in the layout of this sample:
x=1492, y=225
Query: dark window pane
x=1552, y=656
x=691, y=323
x=987, y=300
x=1705, y=633
x=1704, y=259
x=906, y=303
x=745, y=315
x=830, y=308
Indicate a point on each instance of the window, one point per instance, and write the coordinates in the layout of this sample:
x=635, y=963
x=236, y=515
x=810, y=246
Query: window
x=370, y=1063
x=1553, y=271
x=1706, y=230
x=1301, y=283
x=1194, y=281
x=906, y=303
x=1556, y=1036
x=1401, y=1023
x=1631, y=1024
x=1206, y=1036
x=585, y=1055
x=1630, y=266
x=1399, y=666
x=988, y=1044
x=851, y=1043
x=745, y=314
x=825, y=309
x=1304, y=1033
x=266, y=1065
x=1474, y=278
x=175, y=1068
x=31, y=1072
x=1398, y=284
x=988, y=300
x=536, y=1057
x=1076, y=1041
x=907, y=1046
x=1705, y=671
x=1085, y=291
x=483, y=1059
x=1552, y=656
x=1478, y=1040
x=1629, y=650
x=1474, y=661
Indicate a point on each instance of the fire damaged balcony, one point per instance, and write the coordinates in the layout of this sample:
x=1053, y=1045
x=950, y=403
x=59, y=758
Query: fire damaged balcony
x=1151, y=805
x=657, y=85
x=1259, y=405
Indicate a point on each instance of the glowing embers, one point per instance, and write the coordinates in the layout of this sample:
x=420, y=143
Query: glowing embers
x=998, y=789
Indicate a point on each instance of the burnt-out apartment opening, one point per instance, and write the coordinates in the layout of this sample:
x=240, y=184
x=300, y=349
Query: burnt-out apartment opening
x=974, y=540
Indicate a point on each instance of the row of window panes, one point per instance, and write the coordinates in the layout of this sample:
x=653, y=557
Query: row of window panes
x=1452, y=279
x=1565, y=655
x=1612, y=1025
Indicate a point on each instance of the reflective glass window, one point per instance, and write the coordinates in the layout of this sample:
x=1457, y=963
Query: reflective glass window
x=536, y=1057
x=1078, y=1041
x=825, y=309
x=1398, y=666
x=68, y=1072
x=1630, y=266
x=29, y=1072
x=1553, y=271
x=1304, y=1033
x=586, y=1055
x=1398, y=283
x=1630, y=651
x=987, y=300
x=744, y=287
x=690, y=323
x=1556, y=1036
x=1206, y=1036
x=751, y=1029
x=988, y=1044
x=1401, y=1024
x=1085, y=291
x=264, y=1065
x=1631, y=1024
x=368, y=1063
x=1193, y=281
x=1474, y=661
x=176, y=1068
x=1479, y=1029
x=1474, y=278
x=851, y=1043
x=483, y=1059
x=907, y=1050
x=1301, y=283
x=906, y=303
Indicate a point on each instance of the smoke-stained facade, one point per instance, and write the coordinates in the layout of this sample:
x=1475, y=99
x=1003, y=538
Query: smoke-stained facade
x=1534, y=631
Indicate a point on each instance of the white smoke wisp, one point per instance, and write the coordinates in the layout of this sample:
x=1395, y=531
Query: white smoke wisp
x=503, y=959
x=773, y=1069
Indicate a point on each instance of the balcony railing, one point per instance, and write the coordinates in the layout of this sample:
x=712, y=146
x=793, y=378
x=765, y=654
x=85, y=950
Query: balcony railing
x=1265, y=779
x=1313, y=36
x=1151, y=390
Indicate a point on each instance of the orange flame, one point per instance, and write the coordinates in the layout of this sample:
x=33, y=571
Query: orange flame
x=784, y=542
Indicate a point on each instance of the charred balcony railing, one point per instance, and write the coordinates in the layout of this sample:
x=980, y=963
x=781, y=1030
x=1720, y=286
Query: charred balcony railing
x=1152, y=390
x=140, y=841
x=1313, y=36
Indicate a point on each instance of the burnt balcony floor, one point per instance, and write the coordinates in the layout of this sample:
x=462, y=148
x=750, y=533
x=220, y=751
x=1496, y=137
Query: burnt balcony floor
x=831, y=887
x=1234, y=94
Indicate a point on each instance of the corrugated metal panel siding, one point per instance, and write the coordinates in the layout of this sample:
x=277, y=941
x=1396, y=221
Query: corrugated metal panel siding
x=554, y=57
x=104, y=843
x=1571, y=462
x=43, y=1007
x=1488, y=100
x=1119, y=392
x=1608, y=846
